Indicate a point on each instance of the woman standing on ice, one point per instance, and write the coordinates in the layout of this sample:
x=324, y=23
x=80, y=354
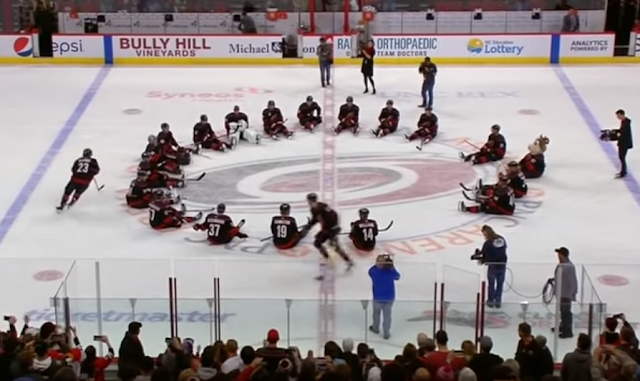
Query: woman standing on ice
x=367, y=66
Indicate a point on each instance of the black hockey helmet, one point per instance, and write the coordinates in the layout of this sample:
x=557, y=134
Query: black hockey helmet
x=309, y=98
x=221, y=208
x=285, y=208
x=87, y=152
x=513, y=164
x=164, y=125
x=271, y=103
x=363, y=212
x=236, y=108
x=349, y=99
x=312, y=197
x=204, y=118
x=390, y=102
x=495, y=127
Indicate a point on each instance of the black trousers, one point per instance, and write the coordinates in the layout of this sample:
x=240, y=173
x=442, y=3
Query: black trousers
x=622, y=155
x=566, y=316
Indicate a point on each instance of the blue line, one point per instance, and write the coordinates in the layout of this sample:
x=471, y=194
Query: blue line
x=609, y=148
x=43, y=166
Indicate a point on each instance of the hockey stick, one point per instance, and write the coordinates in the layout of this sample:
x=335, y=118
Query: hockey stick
x=98, y=187
x=469, y=198
x=422, y=143
x=467, y=189
x=379, y=230
x=473, y=145
x=200, y=177
x=199, y=210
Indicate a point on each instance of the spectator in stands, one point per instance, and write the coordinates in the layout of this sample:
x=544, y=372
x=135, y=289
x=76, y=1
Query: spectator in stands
x=421, y=340
x=131, y=352
x=566, y=283
x=207, y=370
x=233, y=362
x=247, y=354
x=609, y=336
x=146, y=369
x=467, y=374
x=629, y=342
x=65, y=374
x=271, y=353
x=93, y=367
x=547, y=357
x=352, y=360
x=247, y=25
x=483, y=362
x=504, y=373
x=513, y=365
x=422, y=374
x=43, y=364
x=409, y=359
x=438, y=358
x=576, y=366
x=528, y=355
x=571, y=22
x=612, y=364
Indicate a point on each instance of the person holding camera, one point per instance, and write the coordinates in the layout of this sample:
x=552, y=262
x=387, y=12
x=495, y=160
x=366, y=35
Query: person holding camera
x=494, y=255
x=428, y=70
x=624, y=139
x=383, y=277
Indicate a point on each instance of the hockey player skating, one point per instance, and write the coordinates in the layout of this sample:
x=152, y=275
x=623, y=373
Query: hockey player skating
x=83, y=171
x=329, y=230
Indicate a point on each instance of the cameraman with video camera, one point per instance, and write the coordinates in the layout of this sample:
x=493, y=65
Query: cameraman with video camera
x=624, y=139
x=494, y=255
x=383, y=277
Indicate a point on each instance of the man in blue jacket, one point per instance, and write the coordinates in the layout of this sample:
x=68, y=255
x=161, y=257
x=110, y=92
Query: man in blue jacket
x=494, y=255
x=383, y=277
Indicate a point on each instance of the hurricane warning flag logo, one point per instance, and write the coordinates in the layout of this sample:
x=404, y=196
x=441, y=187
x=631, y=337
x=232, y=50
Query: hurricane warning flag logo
x=22, y=47
x=475, y=46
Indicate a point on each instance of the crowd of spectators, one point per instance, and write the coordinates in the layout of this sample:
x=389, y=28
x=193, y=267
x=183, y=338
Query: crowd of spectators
x=48, y=353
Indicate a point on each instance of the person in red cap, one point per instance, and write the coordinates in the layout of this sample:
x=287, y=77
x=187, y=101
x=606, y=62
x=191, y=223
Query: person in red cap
x=271, y=353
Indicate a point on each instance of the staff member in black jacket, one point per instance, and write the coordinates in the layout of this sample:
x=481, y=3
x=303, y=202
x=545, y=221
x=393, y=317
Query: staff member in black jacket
x=625, y=142
x=428, y=70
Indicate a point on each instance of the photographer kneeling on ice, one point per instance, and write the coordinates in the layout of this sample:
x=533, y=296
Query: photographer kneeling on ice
x=383, y=277
x=494, y=255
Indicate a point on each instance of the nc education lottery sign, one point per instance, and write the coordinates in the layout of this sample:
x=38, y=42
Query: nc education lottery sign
x=196, y=47
x=453, y=46
x=586, y=45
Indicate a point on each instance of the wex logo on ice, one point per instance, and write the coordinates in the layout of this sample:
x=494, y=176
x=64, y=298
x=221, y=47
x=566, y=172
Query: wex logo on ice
x=477, y=46
x=67, y=47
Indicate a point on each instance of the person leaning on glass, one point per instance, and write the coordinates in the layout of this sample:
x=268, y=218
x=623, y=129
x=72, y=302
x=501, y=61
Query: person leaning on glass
x=383, y=277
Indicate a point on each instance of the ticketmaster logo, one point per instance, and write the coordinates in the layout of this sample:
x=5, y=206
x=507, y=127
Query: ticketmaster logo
x=273, y=47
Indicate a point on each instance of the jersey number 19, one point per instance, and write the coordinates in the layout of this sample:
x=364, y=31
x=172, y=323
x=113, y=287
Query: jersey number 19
x=281, y=231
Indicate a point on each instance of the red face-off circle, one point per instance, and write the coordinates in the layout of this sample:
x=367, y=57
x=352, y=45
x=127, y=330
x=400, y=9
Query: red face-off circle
x=613, y=280
x=48, y=275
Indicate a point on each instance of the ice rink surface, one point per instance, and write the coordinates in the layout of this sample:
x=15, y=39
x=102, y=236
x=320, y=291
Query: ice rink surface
x=576, y=204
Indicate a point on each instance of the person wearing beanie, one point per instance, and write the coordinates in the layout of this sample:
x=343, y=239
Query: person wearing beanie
x=271, y=353
x=548, y=364
x=484, y=361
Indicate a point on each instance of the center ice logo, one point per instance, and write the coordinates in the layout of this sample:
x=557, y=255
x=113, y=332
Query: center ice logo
x=22, y=47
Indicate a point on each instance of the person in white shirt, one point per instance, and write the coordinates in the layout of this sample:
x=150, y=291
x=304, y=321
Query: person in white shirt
x=234, y=362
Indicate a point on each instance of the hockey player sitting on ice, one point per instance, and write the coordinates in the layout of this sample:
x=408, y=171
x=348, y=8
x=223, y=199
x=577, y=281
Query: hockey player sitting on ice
x=237, y=125
x=83, y=171
x=149, y=150
x=533, y=164
x=364, y=231
x=273, y=122
x=500, y=201
x=219, y=227
x=205, y=137
x=348, y=116
x=165, y=156
x=389, y=118
x=512, y=175
x=427, y=127
x=309, y=114
x=162, y=214
x=171, y=148
x=493, y=150
x=284, y=229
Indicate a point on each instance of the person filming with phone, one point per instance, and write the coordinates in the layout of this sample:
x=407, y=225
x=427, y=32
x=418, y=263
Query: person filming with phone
x=383, y=278
x=92, y=367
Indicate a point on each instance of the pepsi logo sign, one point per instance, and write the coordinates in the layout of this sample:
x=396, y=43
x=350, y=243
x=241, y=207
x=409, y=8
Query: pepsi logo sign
x=22, y=47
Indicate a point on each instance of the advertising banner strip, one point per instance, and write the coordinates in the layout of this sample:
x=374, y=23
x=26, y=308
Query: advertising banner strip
x=267, y=49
